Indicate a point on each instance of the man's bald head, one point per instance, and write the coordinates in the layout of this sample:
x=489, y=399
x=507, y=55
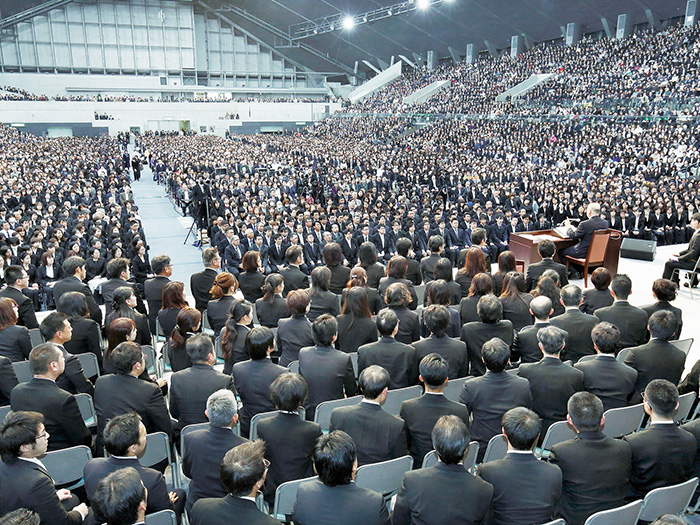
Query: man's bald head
x=541, y=307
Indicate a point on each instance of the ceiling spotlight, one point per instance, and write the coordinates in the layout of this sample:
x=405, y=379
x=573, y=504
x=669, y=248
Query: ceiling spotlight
x=348, y=22
x=364, y=19
x=315, y=31
x=423, y=4
x=389, y=12
x=332, y=27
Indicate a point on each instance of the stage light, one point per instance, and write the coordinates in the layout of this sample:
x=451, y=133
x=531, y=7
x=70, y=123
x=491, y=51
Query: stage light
x=348, y=22
x=389, y=12
x=423, y=4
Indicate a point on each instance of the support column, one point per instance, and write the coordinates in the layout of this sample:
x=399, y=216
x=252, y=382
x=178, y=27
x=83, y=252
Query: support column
x=691, y=11
x=624, y=26
x=516, y=46
x=432, y=60
x=573, y=33
x=471, y=54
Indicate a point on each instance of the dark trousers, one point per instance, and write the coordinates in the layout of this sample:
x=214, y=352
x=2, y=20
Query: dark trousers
x=680, y=265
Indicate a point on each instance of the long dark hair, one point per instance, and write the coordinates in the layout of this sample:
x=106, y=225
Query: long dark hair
x=187, y=320
x=272, y=282
x=238, y=310
x=356, y=304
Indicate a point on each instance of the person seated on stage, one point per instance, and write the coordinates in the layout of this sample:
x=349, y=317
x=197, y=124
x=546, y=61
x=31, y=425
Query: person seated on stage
x=686, y=259
x=120, y=498
x=584, y=234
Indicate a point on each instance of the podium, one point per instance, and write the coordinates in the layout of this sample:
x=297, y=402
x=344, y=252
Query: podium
x=524, y=246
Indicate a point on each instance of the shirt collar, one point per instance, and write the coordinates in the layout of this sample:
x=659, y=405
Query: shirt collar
x=434, y=393
x=370, y=402
x=663, y=422
x=35, y=461
x=520, y=452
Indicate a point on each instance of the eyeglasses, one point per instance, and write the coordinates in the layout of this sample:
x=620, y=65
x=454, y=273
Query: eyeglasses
x=43, y=435
x=266, y=463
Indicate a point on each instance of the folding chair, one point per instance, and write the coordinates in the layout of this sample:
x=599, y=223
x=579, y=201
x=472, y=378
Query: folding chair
x=395, y=398
x=160, y=336
x=684, y=345
x=560, y=521
x=87, y=409
x=685, y=405
x=267, y=415
x=621, y=356
x=453, y=389
x=89, y=363
x=431, y=458
x=157, y=450
x=66, y=466
x=4, y=411
x=690, y=275
x=353, y=359
x=626, y=515
x=151, y=360
x=163, y=517
x=384, y=477
x=556, y=433
x=22, y=371
x=668, y=500
x=496, y=449
x=35, y=337
x=622, y=421
x=323, y=410
x=206, y=326
x=586, y=358
x=293, y=367
x=285, y=496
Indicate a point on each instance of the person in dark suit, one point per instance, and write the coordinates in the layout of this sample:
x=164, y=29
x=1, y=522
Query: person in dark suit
x=327, y=371
x=24, y=481
x=584, y=232
x=659, y=358
x=599, y=296
x=17, y=280
x=333, y=497
x=86, y=336
x=664, y=291
x=578, y=325
x=436, y=245
x=446, y=492
x=74, y=273
x=15, y=342
x=396, y=270
x=526, y=347
x=355, y=324
x=120, y=497
x=404, y=248
x=397, y=299
x=119, y=273
x=595, y=468
x=233, y=255
x=271, y=307
x=276, y=253
x=222, y=298
x=251, y=279
x=201, y=282
x=125, y=441
x=190, y=388
x=630, y=320
x=153, y=288
x=604, y=376
x=525, y=490
x=378, y=435
x=294, y=278
x=398, y=359
x=662, y=454
x=421, y=414
x=294, y=333
x=490, y=396
x=205, y=449
x=290, y=440
x=233, y=335
x=516, y=303
x=546, y=249
x=333, y=257
x=96, y=265
x=254, y=376
x=323, y=301
x=8, y=380
x=367, y=254
x=685, y=259
x=492, y=325
x=349, y=248
x=437, y=319
x=552, y=382
x=242, y=475
x=59, y=408
x=123, y=392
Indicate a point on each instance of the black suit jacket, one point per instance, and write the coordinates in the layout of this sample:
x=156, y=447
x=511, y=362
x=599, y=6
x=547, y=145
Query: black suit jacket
x=378, y=435
x=611, y=381
x=665, y=305
x=374, y=273
x=340, y=275
x=594, y=299
x=409, y=324
x=375, y=300
x=294, y=279
x=630, y=320
x=25, y=316
x=395, y=357
x=525, y=489
x=420, y=415
x=579, y=327
x=212, y=511
x=8, y=380
x=694, y=428
x=217, y=312
x=270, y=314
x=329, y=374
x=477, y=333
x=85, y=339
x=595, y=471
x=662, y=455
x=200, y=284
x=414, y=274
x=341, y=505
x=110, y=286
x=535, y=271
x=201, y=461
x=427, y=266
x=189, y=390
x=73, y=379
x=72, y=284
x=453, y=350
x=350, y=338
x=253, y=380
x=62, y=417
x=517, y=311
x=525, y=345
x=24, y=484
x=99, y=468
x=15, y=343
x=293, y=334
x=655, y=360
x=153, y=290
x=289, y=448
x=584, y=233
x=323, y=303
x=442, y=494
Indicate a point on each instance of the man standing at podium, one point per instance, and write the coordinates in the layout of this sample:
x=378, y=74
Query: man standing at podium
x=584, y=232
x=686, y=259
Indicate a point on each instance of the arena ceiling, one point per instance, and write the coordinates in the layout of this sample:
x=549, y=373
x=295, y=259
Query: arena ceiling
x=453, y=23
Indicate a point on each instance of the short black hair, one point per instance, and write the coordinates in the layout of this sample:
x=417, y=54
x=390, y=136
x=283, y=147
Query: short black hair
x=403, y=246
x=21, y=517
x=386, y=322
x=434, y=370
x=450, y=439
x=118, y=496
x=586, y=411
x=288, y=392
x=663, y=324
x=621, y=286
x=51, y=324
x=198, y=348
x=121, y=432
x=552, y=339
x=662, y=397
x=522, y=427
x=324, y=329
x=334, y=458
x=242, y=467
x=606, y=337
x=116, y=266
x=12, y=273
x=435, y=243
x=437, y=318
x=373, y=380
x=258, y=341
x=496, y=354
x=489, y=309
x=159, y=263
x=546, y=248
x=125, y=355
x=17, y=429
x=42, y=356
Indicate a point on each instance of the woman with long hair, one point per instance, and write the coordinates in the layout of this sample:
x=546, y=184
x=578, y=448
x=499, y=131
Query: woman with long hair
x=188, y=322
x=173, y=301
x=440, y=293
x=120, y=329
x=86, y=332
x=397, y=299
x=358, y=278
x=443, y=271
x=123, y=304
x=294, y=333
x=15, y=343
x=222, y=292
x=233, y=334
x=506, y=263
x=333, y=257
x=475, y=263
x=251, y=280
x=548, y=285
x=482, y=284
x=272, y=307
x=47, y=274
x=355, y=324
x=516, y=303
x=396, y=270
x=323, y=301
x=367, y=255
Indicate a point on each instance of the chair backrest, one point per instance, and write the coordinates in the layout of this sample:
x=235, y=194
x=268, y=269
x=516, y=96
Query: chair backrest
x=35, y=337
x=622, y=355
x=285, y=496
x=622, y=421
x=293, y=367
x=323, y=410
x=87, y=409
x=4, y=411
x=395, y=398
x=159, y=331
x=496, y=449
x=206, y=326
x=668, y=500
x=89, y=363
x=353, y=360
x=684, y=345
x=157, y=449
x=151, y=362
x=266, y=415
x=556, y=433
x=384, y=477
x=625, y=515
x=431, y=458
x=217, y=346
x=598, y=247
x=186, y=430
x=22, y=371
x=454, y=388
x=685, y=405
x=65, y=466
x=163, y=517
x=586, y=358
x=560, y=521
